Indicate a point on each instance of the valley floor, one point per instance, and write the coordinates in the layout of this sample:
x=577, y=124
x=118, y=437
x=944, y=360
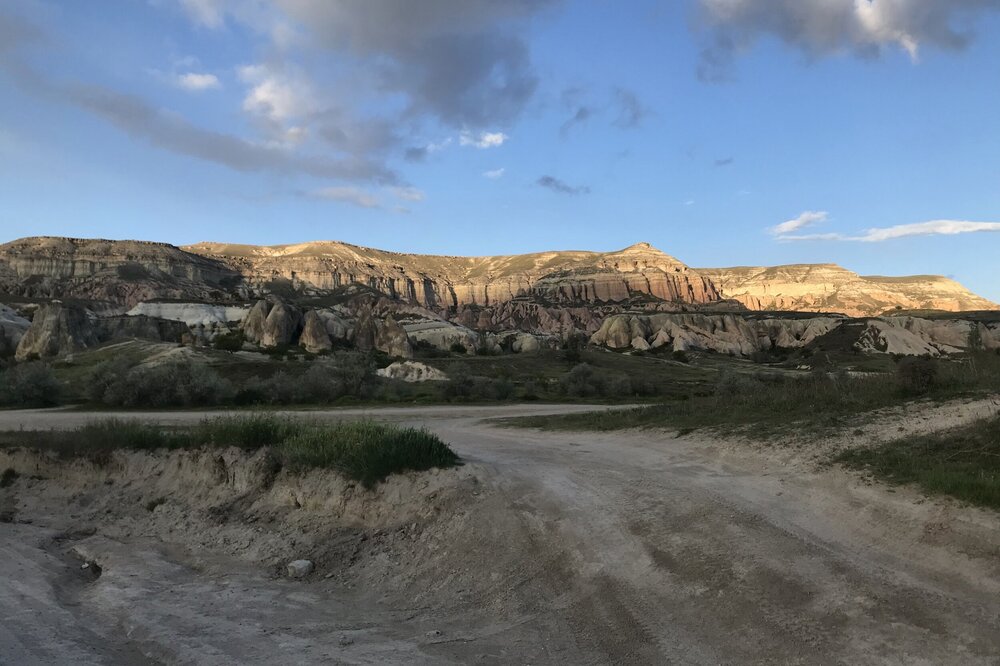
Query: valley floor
x=568, y=548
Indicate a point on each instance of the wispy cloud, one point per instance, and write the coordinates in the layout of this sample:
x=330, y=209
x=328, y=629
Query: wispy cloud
x=482, y=140
x=561, y=187
x=631, y=111
x=805, y=219
x=725, y=161
x=408, y=193
x=493, y=174
x=349, y=195
x=880, y=234
x=196, y=82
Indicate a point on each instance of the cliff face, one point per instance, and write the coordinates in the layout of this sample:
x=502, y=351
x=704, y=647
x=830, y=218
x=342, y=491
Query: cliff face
x=445, y=282
x=119, y=272
x=831, y=288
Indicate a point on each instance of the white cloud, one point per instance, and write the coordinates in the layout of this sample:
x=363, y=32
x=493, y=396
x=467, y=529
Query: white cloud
x=880, y=234
x=276, y=94
x=408, y=193
x=196, y=82
x=493, y=174
x=349, y=195
x=209, y=13
x=806, y=219
x=482, y=140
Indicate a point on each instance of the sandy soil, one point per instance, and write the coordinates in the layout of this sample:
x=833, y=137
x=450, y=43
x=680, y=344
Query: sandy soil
x=575, y=548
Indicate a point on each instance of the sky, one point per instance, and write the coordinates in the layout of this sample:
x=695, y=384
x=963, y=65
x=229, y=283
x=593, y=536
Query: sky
x=724, y=132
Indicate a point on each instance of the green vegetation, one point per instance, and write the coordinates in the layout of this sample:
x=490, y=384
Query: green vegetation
x=963, y=463
x=775, y=402
x=29, y=385
x=363, y=451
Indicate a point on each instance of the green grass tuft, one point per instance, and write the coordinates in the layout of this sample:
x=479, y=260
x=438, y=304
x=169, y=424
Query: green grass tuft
x=963, y=463
x=363, y=451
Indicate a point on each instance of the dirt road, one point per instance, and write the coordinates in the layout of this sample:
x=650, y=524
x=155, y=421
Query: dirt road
x=576, y=548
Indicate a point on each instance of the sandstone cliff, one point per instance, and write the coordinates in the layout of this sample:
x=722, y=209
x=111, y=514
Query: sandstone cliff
x=830, y=288
x=442, y=282
x=118, y=272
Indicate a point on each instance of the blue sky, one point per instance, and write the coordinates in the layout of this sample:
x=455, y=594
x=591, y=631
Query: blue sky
x=725, y=132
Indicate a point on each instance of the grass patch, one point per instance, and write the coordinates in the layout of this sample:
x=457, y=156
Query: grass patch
x=764, y=404
x=360, y=450
x=964, y=463
x=365, y=451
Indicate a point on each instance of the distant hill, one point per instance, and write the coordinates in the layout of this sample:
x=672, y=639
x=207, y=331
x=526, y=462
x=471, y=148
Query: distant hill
x=832, y=288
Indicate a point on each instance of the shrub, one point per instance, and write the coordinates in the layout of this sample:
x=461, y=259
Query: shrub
x=230, y=342
x=459, y=348
x=585, y=381
x=467, y=387
x=323, y=383
x=916, y=375
x=177, y=384
x=29, y=385
x=680, y=356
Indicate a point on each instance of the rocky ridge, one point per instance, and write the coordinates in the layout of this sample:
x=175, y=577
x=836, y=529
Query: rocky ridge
x=831, y=288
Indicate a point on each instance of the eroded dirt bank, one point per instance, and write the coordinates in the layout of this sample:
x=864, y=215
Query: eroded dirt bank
x=543, y=548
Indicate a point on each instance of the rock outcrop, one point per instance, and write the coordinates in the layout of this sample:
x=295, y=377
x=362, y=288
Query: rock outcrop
x=12, y=328
x=727, y=334
x=282, y=326
x=743, y=335
x=412, y=372
x=440, y=282
x=314, y=338
x=391, y=338
x=253, y=323
x=116, y=272
x=57, y=330
x=917, y=336
x=830, y=288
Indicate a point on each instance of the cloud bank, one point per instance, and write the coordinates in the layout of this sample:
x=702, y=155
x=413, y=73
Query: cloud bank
x=818, y=28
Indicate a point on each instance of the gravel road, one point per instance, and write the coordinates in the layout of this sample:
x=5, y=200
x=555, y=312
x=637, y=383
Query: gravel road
x=637, y=547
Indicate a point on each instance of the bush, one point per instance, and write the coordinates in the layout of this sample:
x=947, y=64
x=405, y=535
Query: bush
x=459, y=348
x=29, y=385
x=178, y=384
x=466, y=387
x=323, y=383
x=916, y=375
x=585, y=381
x=680, y=356
x=230, y=342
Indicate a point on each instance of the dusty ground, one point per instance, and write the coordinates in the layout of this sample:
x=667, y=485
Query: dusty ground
x=545, y=548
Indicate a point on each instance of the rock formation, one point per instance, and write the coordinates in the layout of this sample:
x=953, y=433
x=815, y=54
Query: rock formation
x=282, y=326
x=253, y=323
x=412, y=372
x=440, y=282
x=116, y=272
x=391, y=338
x=727, y=334
x=830, y=288
x=12, y=328
x=56, y=330
x=314, y=338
